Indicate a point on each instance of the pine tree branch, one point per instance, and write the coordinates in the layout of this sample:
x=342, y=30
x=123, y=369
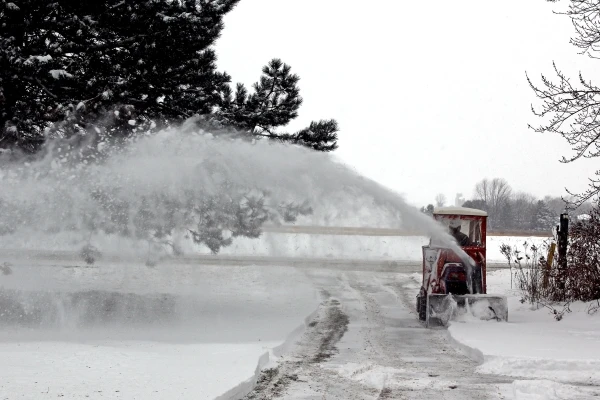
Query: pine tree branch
x=41, y=85
x=105, y=45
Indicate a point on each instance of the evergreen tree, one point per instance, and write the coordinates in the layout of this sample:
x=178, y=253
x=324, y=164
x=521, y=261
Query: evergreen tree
x=476, y=204
x=543, y=218
x=274, y=103
x=119, y=67
x=522, y=206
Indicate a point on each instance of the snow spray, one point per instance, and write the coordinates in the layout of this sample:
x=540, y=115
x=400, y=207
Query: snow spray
x=77, y=196
x=107, y=189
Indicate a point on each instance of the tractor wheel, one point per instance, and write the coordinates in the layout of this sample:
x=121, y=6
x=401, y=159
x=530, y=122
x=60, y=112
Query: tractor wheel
x=422, y=308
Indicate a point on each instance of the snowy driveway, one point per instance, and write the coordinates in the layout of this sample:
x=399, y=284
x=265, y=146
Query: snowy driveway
x=384, y=351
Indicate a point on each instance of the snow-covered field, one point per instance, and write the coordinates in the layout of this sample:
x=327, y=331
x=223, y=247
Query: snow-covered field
x=222, y=323
x=558, y=358
x=494, y=242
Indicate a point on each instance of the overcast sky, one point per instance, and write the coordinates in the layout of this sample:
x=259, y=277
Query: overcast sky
x=430, y=96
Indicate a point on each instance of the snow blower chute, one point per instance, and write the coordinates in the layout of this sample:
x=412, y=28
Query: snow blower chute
x=454, y=279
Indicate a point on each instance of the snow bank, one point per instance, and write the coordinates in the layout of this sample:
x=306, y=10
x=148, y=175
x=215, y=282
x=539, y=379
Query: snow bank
x=494, y=243
x=548, y=390
x=533, y=344
x=400, y=248
x=268, y=359
x=406, y=248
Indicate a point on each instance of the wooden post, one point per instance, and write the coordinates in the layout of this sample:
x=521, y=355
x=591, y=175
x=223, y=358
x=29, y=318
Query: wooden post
x=548, y=266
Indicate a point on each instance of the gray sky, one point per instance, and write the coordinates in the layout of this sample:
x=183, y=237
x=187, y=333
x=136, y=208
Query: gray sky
x=431, y=96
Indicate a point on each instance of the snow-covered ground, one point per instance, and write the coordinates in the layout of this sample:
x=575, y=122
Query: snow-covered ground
x=224, y=321
x=558, y=358
x=124, y=369
x=220, y=324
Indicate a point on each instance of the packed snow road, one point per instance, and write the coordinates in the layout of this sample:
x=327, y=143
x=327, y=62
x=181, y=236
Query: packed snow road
x=366, y=343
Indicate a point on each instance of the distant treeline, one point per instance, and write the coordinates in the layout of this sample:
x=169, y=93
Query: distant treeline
x=510, y=210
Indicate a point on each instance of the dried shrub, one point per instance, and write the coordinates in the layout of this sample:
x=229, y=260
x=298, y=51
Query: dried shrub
x=89, y=254
x=582, y=280
x=543, y=284
x=528, y=271
x=5, y=268
x=535, y=278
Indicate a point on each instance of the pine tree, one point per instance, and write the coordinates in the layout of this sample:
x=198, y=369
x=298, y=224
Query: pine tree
x=543, y=218
x=273, y=104
x=120, y=67
x=477, y=204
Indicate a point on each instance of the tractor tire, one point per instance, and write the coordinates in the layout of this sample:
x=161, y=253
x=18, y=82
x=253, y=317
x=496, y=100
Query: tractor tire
x=422, y=308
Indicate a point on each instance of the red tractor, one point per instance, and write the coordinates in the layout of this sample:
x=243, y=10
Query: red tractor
x=454, y=270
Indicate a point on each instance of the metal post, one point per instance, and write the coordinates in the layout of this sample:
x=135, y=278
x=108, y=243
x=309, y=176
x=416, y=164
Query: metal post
x=562, y=242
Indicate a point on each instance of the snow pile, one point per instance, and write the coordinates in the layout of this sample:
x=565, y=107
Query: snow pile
x=380, y=377
x=369, y=374
x=532, y=344
x=480, y=307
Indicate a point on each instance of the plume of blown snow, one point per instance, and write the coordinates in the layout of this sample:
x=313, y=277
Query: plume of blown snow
x=61, y=192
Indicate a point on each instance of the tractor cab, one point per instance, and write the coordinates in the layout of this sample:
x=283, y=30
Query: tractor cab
x=455, y=264
x=454, y=272
x=466, y=225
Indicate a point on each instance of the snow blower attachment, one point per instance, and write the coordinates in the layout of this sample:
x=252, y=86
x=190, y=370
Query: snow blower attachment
x=454, y=279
